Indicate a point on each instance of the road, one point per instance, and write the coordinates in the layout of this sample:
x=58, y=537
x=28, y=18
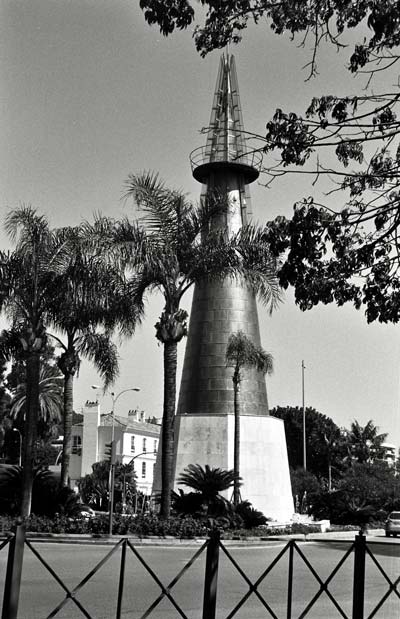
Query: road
x=41, y=593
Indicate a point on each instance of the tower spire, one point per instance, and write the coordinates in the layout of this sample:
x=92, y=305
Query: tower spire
x=226, y=145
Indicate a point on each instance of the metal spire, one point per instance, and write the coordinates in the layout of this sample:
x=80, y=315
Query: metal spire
x=226, y=144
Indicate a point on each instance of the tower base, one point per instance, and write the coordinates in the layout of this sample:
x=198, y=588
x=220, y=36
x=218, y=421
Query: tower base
x=264, y=468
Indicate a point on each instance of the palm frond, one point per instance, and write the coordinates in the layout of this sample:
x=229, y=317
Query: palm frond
x=241, y=352
x=148, y=192
x=50, y=396
x=25, y=225
x=209, y=481
x=10, y=345
x=99, y=348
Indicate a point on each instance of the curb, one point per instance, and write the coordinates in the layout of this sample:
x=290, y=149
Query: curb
x=74, y=538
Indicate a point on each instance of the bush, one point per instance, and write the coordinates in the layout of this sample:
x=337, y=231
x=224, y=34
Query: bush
x=141, y=526
x=250, y=516
x=304, y=529
x=366, y=493
x=48, y=498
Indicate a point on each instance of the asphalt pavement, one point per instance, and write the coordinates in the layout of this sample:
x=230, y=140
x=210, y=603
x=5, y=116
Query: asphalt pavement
x=166, y=558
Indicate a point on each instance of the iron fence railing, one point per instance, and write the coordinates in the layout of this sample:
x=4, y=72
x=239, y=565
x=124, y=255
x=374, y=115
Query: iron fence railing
x=357, y=550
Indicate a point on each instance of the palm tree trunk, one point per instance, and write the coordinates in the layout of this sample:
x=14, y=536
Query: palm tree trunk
x=67, y=442
x=167, y=431
x=236, y=444
x=31, y=420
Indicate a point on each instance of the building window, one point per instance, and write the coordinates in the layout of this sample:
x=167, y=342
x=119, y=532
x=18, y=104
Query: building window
x=155, y=447
x=143, y=469
x=132, y=444
x=77, y=445
x=144, y=446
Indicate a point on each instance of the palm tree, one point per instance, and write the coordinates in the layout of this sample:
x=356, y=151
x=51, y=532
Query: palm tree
x=27, y=277
x=209, y=482
x=173, y=246
x=242, y=353
x=90, y=296
x=50, y=396
x=364, y=442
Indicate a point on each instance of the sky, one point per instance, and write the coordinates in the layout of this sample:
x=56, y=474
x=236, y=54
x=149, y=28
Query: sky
x=89, y=94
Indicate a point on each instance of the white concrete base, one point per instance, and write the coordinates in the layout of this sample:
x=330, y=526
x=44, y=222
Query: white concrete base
x=264, y=468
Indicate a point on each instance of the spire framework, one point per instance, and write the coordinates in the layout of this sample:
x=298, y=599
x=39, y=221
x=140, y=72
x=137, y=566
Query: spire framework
x=226, y=144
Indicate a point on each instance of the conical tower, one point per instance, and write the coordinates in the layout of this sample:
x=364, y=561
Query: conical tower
x=218, y=310
x=205, y=414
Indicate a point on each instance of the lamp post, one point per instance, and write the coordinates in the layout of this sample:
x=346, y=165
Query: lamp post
x=303, y=367
x=112, y=467
x=20, y=446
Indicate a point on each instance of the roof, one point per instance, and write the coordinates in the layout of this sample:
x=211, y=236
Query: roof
x=126, y=423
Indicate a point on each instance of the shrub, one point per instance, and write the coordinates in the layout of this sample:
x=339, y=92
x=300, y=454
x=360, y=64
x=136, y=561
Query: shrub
x=48, y=498
x=189, y=503
x=250, y=516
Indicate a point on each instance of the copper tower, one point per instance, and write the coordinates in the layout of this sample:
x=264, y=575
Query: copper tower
x=204, y=424
x=218, y=310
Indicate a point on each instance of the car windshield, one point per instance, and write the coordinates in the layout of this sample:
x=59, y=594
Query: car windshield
x=395, y=515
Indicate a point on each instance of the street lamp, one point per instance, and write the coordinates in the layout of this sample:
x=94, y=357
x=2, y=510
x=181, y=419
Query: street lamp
x=20, y=446
x=112, y=467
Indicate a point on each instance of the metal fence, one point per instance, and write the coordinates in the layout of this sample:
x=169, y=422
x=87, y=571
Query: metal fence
x=356, y=553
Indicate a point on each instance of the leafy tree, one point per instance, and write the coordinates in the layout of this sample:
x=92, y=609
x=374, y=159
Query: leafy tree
x=125, y=489
x=27, y=277
x=325, y=444
x=94, y=487
x=49, y=417
x=241, y=354
x=4, y=396
x=173, y=246
x=209, y=482
x=326, y=247
x=5, y=400
x=225, y=21
x=50, y=408
x=366, y=490
x=304, y=486
x=364, y=442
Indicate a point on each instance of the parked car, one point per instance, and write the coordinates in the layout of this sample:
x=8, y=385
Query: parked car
x=86, y=512
x=392, y=524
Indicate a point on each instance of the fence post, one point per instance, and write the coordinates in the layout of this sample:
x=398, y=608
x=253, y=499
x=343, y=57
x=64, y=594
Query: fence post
x=359, y=576
x=13, y=575
x=290, y=579
x=121, y=579
x=211, y=576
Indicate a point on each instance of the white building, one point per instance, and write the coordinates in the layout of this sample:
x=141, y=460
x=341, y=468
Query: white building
x=135, y=441
x=390, y=453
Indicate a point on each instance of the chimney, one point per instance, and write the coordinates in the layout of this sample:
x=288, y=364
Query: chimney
x=90, y=440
